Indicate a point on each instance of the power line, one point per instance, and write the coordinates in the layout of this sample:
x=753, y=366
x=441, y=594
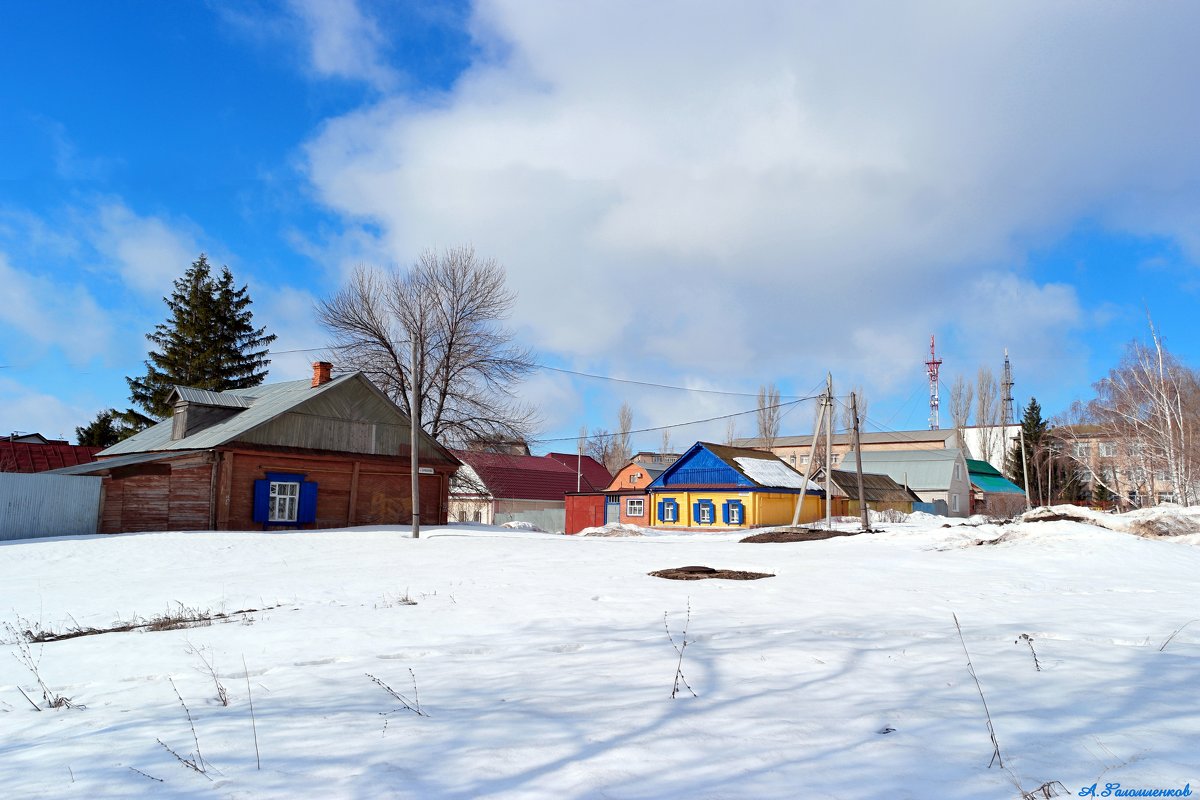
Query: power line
x=676, y=425
x=657, y=385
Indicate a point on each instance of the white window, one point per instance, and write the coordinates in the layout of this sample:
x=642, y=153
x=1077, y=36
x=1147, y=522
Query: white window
x=957, y=475
x=1082, y=450
x=954, y=498
x=283, y=501
x=1108, y=450
x=735, y=513
x=706, y=513
x=634, y=506
x=670, y=511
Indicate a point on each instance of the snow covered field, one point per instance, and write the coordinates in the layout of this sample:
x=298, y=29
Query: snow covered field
x=545, y=668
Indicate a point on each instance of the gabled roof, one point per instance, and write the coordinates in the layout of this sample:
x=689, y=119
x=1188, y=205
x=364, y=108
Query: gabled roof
x=254, y=408
x=987, y=478
x=29, y=456
x=515, y=477
x=876, y=488
x=930, y=470
x=711, y=465
x=595, y=474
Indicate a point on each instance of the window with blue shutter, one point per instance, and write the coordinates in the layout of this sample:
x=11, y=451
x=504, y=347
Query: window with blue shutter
x=732, y=512
x=705, y=512
x=668, y=510
x=285, y=498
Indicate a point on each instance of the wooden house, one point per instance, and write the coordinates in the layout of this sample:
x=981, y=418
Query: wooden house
x=325, y=453
x=880, y=492
x=717, y=486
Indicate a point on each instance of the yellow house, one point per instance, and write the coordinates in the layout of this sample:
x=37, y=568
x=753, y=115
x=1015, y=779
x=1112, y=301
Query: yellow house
x=716, y=486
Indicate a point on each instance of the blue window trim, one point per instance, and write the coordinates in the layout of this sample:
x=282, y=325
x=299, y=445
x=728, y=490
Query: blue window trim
x=668, y=503
x=727, y=512
x=703, y=504
x=306, y=504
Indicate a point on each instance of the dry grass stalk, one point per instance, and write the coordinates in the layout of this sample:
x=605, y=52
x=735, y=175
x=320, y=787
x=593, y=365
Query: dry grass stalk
x=253, y=722
x=413, y=705
x=679, y=648
x=996, y=757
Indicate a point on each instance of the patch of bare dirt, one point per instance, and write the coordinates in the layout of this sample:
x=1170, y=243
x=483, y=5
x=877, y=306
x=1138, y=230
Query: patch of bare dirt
x=797, y=535
x=703, y=573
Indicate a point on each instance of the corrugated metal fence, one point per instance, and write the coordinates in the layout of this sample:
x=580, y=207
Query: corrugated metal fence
x=38, y=505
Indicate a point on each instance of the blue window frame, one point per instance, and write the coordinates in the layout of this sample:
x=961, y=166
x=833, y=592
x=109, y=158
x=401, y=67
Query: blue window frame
x=704, y=512
x=733, y=512
x=668, y=510
x=285, y=498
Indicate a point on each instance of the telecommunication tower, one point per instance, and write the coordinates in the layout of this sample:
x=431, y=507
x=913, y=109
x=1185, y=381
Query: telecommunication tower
x=1006, y=385
x=932, y=366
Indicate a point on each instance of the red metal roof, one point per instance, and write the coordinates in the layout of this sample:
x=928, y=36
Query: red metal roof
x=594, y=473
x=33, y=457
x=521, y=477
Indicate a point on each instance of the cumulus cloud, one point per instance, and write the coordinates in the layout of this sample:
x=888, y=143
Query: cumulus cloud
x=766, y=192
x=148, y=252
x=47, y=313
x=31, y=411
x=343, y=42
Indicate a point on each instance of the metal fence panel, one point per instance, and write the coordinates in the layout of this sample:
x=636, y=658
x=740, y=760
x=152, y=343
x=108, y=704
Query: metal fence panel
x=38, y=505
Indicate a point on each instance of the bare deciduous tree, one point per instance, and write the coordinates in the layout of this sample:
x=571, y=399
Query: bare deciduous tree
x=664, y=447
x=624, y=425
x=730, y=432
x=1147, y=407
x=768, y=414
x=988, y=410
x=613, y=449
x=847, y=416
x=962, y=397
x=453, y=304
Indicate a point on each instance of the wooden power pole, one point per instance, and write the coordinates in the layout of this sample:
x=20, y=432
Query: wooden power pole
x=414, y=429
x=862, y=500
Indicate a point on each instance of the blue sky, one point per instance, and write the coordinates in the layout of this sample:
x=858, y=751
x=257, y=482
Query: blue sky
x=681, y=193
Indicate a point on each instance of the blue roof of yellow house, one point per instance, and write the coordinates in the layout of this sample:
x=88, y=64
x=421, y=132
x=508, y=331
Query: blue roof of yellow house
x=717, y=466
x=987, y=478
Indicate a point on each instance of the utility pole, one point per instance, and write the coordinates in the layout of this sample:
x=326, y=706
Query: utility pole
x=808, y=469
x=828, y=450
x=414, y=429
x=862, y=500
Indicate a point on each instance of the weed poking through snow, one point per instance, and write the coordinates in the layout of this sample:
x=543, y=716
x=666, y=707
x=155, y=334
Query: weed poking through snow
x=207, y=668
x=996, y=757
x=1029, y=641
x=27, y=659
x=196, y=763
x=679, y=648
x=413, y=705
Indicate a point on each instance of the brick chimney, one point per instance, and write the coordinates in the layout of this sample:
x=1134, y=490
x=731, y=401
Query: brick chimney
x=321, y=370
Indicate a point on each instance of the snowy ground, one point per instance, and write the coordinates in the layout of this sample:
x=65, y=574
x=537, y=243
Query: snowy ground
x=545, y=668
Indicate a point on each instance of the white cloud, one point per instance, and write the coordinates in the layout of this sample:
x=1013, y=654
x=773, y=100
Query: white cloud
x=780, y=189
x=148, y=252
x=48, y=313
x=343, y=42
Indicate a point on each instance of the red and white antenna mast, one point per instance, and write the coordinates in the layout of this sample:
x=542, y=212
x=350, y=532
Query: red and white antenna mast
x=932, y=366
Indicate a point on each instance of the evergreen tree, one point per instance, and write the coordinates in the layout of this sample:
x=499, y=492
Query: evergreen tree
x=100, y=432
x=209, y=341
x=1053, y=475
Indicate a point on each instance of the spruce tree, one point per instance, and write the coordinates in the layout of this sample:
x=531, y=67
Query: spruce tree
x=208, y=341
x=1053, y=475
